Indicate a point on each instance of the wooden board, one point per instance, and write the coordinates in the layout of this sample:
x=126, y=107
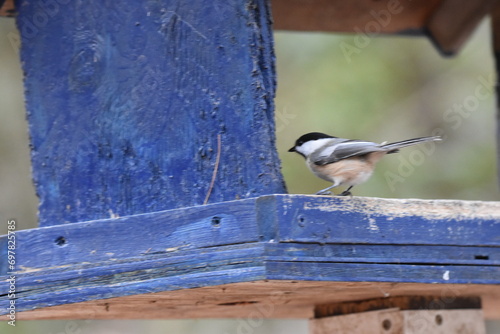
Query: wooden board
x=400, y=303
x=354, y=16
x=259, y=299
x=452, y=23
x=395, y=321
x=132, y=105
x=448, y=23
x=278, y=237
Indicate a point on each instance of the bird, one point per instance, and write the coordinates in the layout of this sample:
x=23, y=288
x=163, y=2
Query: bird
x=346, y=162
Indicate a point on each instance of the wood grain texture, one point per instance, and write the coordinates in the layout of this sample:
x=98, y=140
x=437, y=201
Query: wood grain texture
x=453, y=21
x=141, y=236
x=258, y=299
x=401, y=303
x=359, y=220
x=126, y=99
x=397, y=254
x=395, y=321
x=276, y=237
x=361, y=323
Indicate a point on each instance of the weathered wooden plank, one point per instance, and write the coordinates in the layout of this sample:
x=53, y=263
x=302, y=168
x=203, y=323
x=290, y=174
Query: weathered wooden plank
x=135, y=276
x=453, y=21
x=259, y=299
x=195, y=268
x=137, y=236
x=357, y=16
x=299, y=218
x=401, y=303
x=135, y=270
x=254, y=239
x=361, y=323
x=399, y=254
x=126, y=100
x=395, y=321
x=359, y=272
x=388, y=221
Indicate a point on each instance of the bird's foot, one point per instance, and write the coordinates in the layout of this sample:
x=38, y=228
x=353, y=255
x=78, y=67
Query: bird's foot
x=346, y=192
x=323, y=192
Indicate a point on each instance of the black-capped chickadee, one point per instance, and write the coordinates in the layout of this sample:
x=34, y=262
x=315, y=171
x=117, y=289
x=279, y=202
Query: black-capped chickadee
x=345, y=161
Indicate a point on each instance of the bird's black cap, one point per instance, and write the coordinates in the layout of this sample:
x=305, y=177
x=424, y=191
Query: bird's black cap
x=307, y=137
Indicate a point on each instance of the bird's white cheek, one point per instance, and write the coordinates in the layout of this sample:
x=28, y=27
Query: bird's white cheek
x=309, y=147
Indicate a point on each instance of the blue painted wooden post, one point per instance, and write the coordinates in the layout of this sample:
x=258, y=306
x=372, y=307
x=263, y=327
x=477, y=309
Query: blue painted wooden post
x=126, y=100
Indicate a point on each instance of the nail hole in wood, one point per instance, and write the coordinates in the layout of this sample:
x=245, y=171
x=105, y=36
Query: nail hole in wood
x=61, y=241
x=301, y=220
x=386, y=324
x=216, y=221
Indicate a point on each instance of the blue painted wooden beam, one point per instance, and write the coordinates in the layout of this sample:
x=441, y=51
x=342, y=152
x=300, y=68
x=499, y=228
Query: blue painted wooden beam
x=276, y=237
x=126, y=101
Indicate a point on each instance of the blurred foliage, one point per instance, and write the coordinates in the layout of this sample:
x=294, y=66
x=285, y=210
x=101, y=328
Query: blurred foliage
x=395, y=88
x=17, y=195
x=219, y=326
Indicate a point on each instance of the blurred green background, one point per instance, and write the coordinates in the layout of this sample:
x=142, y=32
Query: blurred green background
x=393, y=89
x=396, y=88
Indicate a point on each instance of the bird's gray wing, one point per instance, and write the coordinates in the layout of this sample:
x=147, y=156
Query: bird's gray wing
x=343, y=150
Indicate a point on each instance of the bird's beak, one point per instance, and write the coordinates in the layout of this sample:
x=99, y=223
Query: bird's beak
x=292, y=149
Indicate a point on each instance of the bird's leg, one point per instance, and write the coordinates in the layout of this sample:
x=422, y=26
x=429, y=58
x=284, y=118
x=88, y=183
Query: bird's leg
x=346, y=192
x=325, y=191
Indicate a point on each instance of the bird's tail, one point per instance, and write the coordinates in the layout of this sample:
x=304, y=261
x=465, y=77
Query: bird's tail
x=394, y=147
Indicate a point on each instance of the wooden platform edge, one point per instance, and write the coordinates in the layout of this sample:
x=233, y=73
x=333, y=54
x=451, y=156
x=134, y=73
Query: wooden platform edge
x=276, y=237
x=265, y=299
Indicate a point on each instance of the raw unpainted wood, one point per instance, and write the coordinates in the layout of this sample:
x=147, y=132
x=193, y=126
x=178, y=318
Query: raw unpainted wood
x=349, y=16
x=443, y=322
x=8, y=8
x=395, y=321
x=360, y=323
x=262, y=299
x=401, y=303
x=451, y=24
